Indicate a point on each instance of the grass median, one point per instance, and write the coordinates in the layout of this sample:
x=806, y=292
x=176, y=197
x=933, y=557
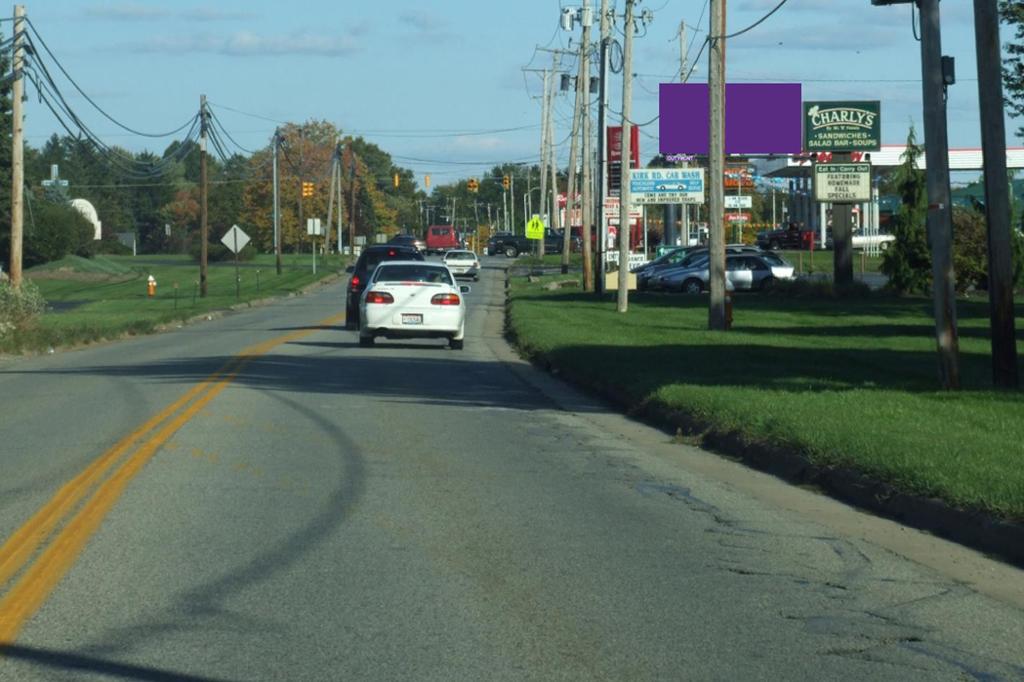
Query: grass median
x=105, y=297
x=848, y=383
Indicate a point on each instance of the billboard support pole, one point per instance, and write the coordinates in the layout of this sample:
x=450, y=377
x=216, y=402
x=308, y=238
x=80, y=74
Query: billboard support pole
x=842, y=224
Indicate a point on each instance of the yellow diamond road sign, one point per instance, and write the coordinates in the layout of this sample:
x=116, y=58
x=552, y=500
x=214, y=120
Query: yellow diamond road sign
x=535, y=228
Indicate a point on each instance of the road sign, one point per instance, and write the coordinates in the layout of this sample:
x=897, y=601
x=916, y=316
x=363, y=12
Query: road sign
x=667, y=185
x=736, y=217
x=313, y=227
x=733, y=201
x=842, y=126
x=535, y=228
x=611, y=211
x=842, y=183
x=235, y=239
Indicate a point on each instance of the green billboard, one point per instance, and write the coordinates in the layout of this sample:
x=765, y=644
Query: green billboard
x=842, y=126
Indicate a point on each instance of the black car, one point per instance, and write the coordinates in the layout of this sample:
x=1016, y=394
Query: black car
x=362, y=270
x=408, y=240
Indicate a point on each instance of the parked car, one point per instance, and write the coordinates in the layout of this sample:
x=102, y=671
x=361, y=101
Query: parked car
x=463, y=263
x=859, y=240
x=442, y=238
x=361, y=271
x=409, y=240
x=743, y=272
x=411, y=299
x=655, y=278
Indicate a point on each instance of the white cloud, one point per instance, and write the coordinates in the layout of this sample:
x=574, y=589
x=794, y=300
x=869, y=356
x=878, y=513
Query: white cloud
x=421, y=21
x=248, y=44
x=481, y=143
x=137, y=11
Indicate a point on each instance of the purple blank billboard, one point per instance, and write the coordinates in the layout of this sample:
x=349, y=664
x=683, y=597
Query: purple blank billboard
x=760, y=118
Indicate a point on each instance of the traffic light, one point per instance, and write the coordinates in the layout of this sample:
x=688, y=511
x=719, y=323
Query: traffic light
x=506, y=182
x=396, y=180
x=307, y=189
x=426, y=181
x=473, y=185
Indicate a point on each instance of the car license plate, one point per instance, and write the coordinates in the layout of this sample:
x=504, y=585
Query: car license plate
x=412, y=318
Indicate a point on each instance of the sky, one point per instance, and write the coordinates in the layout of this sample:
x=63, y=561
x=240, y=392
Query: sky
x=441, y=85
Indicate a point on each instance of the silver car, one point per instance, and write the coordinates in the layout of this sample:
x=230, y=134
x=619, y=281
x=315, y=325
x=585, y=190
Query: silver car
x=743, y=272
x=462, y=263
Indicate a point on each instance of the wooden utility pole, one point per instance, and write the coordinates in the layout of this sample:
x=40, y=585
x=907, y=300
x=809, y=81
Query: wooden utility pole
x=301, y=173
x=554, y=220
x=602, y=149
x=997, y=195
x=17, y=147
x=204, y=228
x=277, y=209
x=940, y=212
x=627, y=157
x=716, y=167
x=539, y=248
x=571, y=189
x=330, y=201
x=588, y=182
x=352, y=200
x=341, y=206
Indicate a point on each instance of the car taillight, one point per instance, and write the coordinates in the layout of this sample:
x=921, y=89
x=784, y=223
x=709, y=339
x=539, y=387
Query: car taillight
x=355, y=282
x=445, y=299
x=379, y=297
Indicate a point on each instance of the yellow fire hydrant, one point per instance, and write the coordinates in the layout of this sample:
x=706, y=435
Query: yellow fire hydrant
x=151, y=286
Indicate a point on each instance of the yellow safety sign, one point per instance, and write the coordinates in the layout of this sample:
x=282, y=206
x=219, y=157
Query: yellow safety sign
x=535, y=228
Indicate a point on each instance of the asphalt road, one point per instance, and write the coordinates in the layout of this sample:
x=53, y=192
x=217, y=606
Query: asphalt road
x=319, y=511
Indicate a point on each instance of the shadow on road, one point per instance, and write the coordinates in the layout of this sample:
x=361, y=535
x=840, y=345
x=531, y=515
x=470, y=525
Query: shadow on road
x=66, y=661
x=449, y=380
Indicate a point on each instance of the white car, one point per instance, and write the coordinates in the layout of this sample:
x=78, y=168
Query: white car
x=463, y=263
x=413, y=299
x=860, y=240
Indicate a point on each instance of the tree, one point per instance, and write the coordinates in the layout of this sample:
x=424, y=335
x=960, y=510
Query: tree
x=1012, y=12
x=907, y=263
x=54, y=230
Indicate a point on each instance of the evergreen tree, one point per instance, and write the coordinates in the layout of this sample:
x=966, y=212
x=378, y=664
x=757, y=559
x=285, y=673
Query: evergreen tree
x=907, y=263
x=1012, y=12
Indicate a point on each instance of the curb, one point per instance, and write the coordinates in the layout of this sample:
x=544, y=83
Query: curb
x=975, y=529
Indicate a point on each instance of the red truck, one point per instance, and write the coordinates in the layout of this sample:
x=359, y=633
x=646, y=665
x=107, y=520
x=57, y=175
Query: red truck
x=442, y=238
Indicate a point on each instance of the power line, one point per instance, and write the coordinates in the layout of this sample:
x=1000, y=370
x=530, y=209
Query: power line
x=399, y=133
x=752, y=26
x=86, y=96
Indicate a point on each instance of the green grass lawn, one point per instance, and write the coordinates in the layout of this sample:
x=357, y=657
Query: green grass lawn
x=847, y=383
x=822, y=261
x=804, y=261
x=105, y=297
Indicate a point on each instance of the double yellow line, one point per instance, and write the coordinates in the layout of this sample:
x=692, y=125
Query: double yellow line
x=65, y=525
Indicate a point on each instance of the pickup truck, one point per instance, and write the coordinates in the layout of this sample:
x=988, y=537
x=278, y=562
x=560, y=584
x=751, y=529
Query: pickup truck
x=793, y=239
x=514, y=244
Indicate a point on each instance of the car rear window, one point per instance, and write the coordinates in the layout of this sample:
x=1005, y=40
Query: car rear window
x=371, y=259
x=430, y=274
x=461, y=255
